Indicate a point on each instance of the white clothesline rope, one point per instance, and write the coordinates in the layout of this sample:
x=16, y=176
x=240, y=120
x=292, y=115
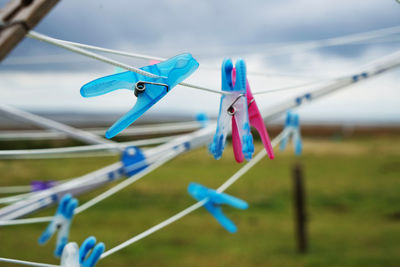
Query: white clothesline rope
x=14, y=198
x=29, y=263
x=163, y=224
x=291, y=87
x=128, y=181
x=76, y=151
x=75, y=133
x=277, y=48
x=197, y=205
x=56, y=42
x=15, y=189
x=159, y=128
x=288, y=48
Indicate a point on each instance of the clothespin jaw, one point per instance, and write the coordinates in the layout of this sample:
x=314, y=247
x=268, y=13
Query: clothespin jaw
x=297, y=143
x=133, y=160
x=233, y=110
x=148, y=90
x=95, y=250
x=287, y=133
x=70, y=255
x=292, y=129
x=214, y=201
x=73, y=256
x=61, y=222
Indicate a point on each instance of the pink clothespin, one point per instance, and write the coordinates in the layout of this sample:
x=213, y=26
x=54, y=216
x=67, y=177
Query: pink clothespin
x=256, y=121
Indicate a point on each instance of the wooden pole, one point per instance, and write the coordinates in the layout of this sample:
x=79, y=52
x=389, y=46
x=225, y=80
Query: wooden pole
x=17, y=18
x=299, y=208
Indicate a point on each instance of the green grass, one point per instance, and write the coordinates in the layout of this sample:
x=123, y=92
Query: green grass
x=353, y=203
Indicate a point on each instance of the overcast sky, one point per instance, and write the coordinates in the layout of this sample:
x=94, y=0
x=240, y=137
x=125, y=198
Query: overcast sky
x=37, y=76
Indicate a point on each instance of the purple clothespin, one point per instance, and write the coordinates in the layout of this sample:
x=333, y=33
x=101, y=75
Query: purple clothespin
x=41, y=185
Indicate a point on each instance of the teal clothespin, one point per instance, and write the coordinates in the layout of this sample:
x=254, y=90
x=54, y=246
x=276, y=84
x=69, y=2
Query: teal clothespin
x=147, y=90
x=214, y=202
x=292, y=128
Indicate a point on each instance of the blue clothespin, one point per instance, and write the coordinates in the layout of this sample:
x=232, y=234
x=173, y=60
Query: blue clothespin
x=214, y=201
x=202, y=118
x=147, y=90
x=292, y=128
x=88, y=245
x=233, y=107
x=61, y=222
x=357, y=77
x=73, y=256
x=119, y=70
x=133, y=160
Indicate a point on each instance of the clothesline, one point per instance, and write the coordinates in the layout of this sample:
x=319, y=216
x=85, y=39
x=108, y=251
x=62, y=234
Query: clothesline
x=162, y=160
x=374, y=70
x=298, y=101
x=78, y=151
x=80, y=49
x=47, y=39
x=230, y=181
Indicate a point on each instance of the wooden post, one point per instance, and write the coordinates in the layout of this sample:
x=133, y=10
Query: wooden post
x=17, y=18
x=299, y=208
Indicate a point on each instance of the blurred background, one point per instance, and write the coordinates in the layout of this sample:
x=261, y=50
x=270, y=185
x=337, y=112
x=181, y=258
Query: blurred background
x=351, y=159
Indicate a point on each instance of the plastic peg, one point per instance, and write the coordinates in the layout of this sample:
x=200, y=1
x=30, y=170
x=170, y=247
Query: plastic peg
x=233, y=111
x=61, y=223
x=147, y=90
x=214, y=200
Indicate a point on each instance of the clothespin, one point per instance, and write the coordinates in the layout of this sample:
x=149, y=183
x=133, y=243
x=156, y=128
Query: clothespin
x=202, y=118
x=119, y=70
x=89, y=245
x=256, y=120
x=147, y=90
x=61, y=222
x=41, y=185
x=299, y=99
x=214, y=201
x=133, y=160
x=73, y=256
x=18, y=18
x=233, y=106
x=292, y=128
x=357, y=77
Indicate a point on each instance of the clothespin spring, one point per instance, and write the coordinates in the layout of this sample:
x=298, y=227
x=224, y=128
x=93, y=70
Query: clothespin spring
x=140, y=86
x=231, y=109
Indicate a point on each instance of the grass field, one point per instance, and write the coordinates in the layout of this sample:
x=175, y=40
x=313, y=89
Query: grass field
x=353, y=203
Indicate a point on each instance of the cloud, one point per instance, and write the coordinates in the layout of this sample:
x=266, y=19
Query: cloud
x=169, y=27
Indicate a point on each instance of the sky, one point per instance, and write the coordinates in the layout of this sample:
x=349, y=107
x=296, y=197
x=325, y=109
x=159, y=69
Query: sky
x=40, y=77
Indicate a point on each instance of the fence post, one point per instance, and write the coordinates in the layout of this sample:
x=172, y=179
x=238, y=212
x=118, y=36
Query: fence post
x=299, y=208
